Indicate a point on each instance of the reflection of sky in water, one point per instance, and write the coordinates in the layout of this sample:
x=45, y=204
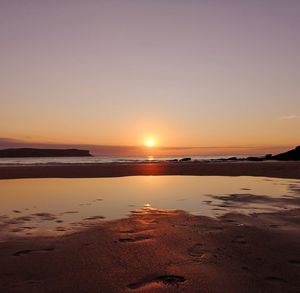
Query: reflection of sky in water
x=64, y=201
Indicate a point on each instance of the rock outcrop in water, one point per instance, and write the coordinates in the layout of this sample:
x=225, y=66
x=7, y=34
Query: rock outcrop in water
x=185, y=160
x=32, y=152
x=292, y=155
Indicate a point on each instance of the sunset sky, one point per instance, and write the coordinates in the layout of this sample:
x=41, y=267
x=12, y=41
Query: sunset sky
x=185, y=73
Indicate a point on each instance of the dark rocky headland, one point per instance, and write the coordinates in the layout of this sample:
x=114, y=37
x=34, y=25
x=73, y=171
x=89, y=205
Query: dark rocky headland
x=34, y=152
x=292, y=155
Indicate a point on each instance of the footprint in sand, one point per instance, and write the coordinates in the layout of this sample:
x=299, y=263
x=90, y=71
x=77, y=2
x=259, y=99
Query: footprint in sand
x=239, y=239
x=274, y=226
x=28, y=227
x=95, y=218
x=33, y=282
x=60, y=229
x=230, y=221
x=45, y=216
x=69, y=212
x=16, y=230
x=135, y=239
x=172, y=280
x=200, y=254
x=275, y=279
x=29, y=251
x=128, y=231
x=197, y=250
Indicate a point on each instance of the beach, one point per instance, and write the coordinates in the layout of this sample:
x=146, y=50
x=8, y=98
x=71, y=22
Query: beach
x=156, y=250
x=244, y=168
x=161, y=251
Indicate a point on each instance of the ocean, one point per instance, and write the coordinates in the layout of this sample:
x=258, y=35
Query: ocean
x=105, y=159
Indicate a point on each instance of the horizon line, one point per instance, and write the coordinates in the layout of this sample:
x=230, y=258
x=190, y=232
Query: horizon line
x=6, y=142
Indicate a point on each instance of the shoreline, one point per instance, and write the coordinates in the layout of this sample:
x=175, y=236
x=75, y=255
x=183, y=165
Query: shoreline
x=287, y=169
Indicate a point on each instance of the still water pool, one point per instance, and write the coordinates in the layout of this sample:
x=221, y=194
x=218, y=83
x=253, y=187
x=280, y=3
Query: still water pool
x=29, y=206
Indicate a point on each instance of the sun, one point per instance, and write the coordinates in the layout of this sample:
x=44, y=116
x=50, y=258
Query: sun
x=150, y=142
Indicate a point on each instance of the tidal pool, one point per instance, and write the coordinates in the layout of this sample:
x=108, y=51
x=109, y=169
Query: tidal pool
x=30, y=206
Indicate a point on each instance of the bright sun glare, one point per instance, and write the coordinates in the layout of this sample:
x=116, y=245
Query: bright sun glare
x=150, y=142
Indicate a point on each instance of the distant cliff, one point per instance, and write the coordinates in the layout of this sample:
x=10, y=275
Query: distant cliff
x=292, y=155
x=30, y=152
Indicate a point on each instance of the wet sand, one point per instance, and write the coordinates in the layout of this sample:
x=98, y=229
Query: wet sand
x=265, y=169
x=161, y=251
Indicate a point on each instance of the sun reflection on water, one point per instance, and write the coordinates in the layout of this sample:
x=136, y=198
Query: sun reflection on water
x=67, y=201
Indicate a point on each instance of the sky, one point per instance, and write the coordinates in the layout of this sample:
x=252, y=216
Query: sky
x=197, y=74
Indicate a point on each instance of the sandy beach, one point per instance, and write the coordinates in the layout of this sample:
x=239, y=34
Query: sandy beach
x=265, y=169
x=160, y=250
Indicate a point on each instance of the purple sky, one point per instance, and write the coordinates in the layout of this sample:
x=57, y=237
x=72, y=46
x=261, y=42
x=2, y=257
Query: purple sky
x=188, y=73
